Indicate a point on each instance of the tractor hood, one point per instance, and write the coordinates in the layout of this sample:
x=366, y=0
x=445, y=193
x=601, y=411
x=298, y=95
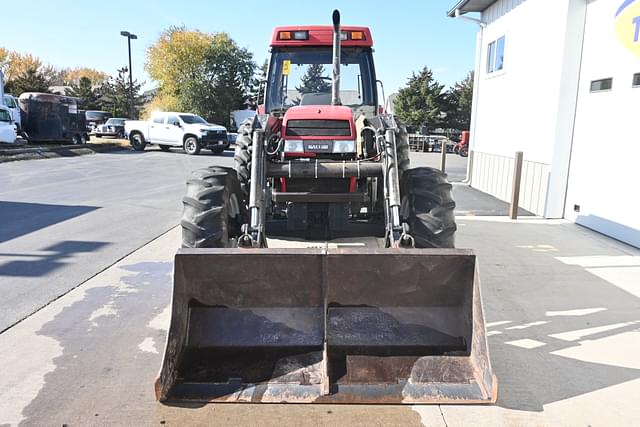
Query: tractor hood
x=319, y=122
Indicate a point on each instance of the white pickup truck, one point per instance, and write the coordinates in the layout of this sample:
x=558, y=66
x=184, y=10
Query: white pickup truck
x=185, y=130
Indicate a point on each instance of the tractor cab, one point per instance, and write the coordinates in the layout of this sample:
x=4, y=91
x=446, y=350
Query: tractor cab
x=300, y=84
x=300, y=69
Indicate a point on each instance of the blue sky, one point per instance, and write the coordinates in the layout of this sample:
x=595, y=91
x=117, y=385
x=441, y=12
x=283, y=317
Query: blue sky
x=407, y=34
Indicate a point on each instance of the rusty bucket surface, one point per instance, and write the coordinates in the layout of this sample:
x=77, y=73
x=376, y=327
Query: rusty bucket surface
x=327, y=325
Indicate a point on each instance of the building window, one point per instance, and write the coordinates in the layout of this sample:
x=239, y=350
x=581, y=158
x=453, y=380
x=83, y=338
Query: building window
x=636, y=80
x=495, y=55
x=602, y=84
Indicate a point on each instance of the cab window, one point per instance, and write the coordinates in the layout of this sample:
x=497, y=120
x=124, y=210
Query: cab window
x=172, y=119
x=158, y=119
x=9, y=102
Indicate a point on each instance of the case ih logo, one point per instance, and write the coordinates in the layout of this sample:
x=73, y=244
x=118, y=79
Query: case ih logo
x=627, y=25
x=319, y=147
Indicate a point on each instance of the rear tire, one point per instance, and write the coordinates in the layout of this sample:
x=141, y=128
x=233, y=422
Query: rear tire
x=217, y=150
x=213, y=212
x=428, y=208
x=402, y=150
x=76, y=140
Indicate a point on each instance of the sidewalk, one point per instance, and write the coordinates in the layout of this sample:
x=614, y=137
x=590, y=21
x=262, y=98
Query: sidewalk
x=563, y=313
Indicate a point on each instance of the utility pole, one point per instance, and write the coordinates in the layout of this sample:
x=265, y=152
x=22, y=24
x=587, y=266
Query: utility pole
x=130, y=36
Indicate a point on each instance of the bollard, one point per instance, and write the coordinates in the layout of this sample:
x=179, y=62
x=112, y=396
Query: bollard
x=443, y=155
x=515, y=190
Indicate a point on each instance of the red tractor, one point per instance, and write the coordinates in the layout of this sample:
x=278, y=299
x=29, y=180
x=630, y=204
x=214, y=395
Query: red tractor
x=258, y=324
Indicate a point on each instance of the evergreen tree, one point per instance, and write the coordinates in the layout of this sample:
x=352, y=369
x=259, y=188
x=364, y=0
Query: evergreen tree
x=84, y=91
x=314, y=81
x=115, y=95
x=422, y=102
x=459, y=99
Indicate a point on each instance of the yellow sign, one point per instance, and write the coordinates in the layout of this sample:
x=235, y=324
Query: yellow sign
x=286, y=67
x=627, y=25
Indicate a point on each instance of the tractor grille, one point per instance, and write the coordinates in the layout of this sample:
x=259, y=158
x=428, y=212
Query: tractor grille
x=318, y=128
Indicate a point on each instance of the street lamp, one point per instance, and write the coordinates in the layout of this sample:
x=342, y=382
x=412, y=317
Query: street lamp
x=129, y=37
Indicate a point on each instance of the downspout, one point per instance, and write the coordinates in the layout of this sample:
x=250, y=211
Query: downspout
x=476, y=87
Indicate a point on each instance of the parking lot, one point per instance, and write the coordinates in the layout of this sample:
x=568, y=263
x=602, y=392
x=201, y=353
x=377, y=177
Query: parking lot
x=86, y=248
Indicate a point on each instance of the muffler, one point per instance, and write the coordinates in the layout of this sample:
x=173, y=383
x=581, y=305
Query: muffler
x=327, y=326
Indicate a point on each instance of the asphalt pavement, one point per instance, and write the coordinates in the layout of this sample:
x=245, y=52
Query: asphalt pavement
x=562, y=305
x=64, y=220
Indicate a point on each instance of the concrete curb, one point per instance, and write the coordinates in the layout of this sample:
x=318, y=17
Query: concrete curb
x=31, y=153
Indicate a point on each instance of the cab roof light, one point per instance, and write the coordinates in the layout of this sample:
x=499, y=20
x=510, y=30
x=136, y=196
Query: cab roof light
x=351, y=35
x=301, y=35
x=284, y=35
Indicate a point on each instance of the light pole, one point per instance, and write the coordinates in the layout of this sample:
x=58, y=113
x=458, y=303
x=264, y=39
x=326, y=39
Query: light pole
x=130, y=36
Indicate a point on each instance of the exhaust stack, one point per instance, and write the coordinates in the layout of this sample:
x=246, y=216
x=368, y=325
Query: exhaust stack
x=335, y=80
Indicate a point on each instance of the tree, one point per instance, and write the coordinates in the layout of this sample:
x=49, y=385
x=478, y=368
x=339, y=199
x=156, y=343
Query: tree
x=74, y=75
x=31, y=80
x=314, y=80
x=85, y=92
x=115, y=95
x=422, y=102
x=207, y=74
x=256, y=90
x=459, y=98
x=177, y=57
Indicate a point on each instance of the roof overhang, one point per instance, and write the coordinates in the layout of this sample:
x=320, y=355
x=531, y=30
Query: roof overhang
x=466, y=6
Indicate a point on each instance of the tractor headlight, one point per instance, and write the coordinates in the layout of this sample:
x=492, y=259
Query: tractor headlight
x=293, y=146
x=344, y=146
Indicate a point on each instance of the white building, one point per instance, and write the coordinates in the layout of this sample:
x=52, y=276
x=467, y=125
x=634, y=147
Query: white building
x=559, y=80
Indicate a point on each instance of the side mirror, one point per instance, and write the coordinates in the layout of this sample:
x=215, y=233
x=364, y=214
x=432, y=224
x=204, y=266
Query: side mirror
x=176, y=123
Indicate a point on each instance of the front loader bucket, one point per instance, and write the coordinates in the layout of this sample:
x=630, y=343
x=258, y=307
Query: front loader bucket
x=328, y=326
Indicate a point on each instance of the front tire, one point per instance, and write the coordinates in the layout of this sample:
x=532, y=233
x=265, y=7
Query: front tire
x=213, y=212
x=217, y=150
x=192, y=145
x=137, y=141
x=428, y=208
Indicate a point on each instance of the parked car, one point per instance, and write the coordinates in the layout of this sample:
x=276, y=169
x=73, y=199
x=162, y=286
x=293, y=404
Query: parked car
x=8, y=128
x=171, y=129
x=11, y=103
x=113, y=127
x=96, y=118
x=52, y=118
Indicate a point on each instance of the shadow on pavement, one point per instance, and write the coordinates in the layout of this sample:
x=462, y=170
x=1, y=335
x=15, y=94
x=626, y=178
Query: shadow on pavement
x=20, y=218
x=51, y=258
x=472, y=202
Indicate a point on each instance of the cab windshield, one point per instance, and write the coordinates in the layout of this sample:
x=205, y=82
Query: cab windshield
x=308, y=81
x=9, y=102
x=192, y=119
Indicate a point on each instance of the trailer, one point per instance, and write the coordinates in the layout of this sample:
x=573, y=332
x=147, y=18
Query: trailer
x=52, y=118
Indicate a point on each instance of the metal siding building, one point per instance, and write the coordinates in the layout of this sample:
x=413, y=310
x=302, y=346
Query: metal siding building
x=536, y=62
